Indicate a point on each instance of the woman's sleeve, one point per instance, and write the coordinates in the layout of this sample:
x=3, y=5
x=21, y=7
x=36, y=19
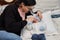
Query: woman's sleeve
x=10, y=22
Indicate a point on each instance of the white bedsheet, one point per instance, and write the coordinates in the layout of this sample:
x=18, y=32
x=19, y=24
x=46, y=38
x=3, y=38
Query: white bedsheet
x=50, y=27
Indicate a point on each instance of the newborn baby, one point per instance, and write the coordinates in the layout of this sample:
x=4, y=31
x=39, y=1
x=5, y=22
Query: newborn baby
x=34, y=31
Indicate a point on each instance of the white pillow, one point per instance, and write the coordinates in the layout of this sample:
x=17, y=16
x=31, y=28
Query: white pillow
x=49, y=23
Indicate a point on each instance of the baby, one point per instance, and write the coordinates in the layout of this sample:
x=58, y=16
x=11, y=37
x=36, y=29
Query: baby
x=34, y=31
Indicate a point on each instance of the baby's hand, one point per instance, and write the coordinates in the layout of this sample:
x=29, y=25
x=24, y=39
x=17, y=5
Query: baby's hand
x=39, y=13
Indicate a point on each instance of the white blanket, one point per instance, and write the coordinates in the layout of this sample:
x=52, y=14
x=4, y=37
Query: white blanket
x=35, y=28
x=47, y=22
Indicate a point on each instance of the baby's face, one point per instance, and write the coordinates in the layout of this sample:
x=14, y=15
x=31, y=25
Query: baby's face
x=37, y=17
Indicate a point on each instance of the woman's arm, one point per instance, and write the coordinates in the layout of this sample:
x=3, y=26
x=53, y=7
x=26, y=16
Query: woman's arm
x=11, y=24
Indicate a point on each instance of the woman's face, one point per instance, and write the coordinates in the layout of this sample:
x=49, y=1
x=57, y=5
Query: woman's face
x=26, y=8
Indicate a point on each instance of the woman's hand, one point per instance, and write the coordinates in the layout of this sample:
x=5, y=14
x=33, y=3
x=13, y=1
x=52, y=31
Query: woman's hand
x=31, y=19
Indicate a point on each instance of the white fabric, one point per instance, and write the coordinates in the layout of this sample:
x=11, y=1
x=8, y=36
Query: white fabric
x=56, y=12
x=27, y=32
x=57, y=23
x=49, y=23
x=45, y=5
x=56, y=20
x=32, y=29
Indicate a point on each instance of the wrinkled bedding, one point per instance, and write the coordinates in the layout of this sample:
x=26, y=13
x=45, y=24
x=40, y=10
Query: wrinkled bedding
x=50, y=26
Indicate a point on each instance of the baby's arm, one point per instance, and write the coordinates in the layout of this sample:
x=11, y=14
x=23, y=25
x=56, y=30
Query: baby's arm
x=39, y=13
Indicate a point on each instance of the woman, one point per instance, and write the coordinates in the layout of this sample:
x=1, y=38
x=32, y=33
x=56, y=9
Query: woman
x=13, y=19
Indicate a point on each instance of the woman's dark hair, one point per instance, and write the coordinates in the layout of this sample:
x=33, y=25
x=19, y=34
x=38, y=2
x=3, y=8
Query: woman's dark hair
x=26, y=2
